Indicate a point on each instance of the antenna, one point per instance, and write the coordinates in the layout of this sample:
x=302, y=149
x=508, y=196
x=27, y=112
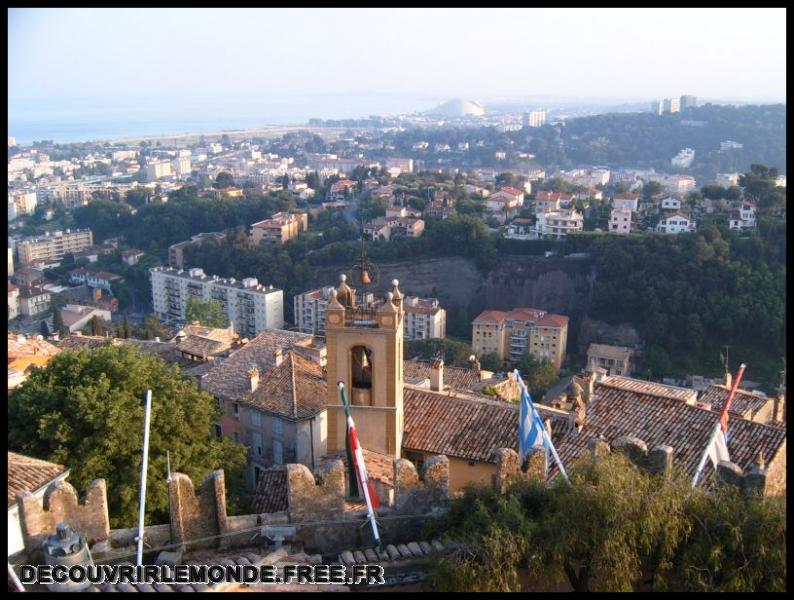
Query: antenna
x=724, y=359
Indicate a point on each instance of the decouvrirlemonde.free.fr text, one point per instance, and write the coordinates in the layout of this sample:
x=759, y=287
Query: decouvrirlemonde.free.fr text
x=202, y=574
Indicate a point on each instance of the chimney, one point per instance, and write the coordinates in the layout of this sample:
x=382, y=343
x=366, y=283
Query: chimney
x=728, y=380
x=253, y=379
x=437, y=375
x=589, y=386
x=278, y=356
x=780, y=406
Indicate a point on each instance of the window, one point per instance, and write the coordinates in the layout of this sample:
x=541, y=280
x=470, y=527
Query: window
x=278, y=452
x=256, y=443
x=278, y=426
x=235, y=408
x=218, y=431
x=236, y=437
x=256, y=418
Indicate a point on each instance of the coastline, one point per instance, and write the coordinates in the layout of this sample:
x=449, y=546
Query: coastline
x=270, y=131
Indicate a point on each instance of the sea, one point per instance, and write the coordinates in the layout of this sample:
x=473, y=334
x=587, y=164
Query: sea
x=87, y=119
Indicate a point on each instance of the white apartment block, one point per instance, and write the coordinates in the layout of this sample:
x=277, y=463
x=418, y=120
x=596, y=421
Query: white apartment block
x=24, y=203
x=52, y=247
x=683, y=159
x=424, y=317
x=251, y=306
x=744, y=218
x=158, y=169
x=181, y=166
x=675, y=224
x=559, y=223
x=404, y=165
x=120, y=155
x=535, y=118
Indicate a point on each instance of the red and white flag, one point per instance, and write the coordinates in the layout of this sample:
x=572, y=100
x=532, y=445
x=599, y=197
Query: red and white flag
x=364, y=484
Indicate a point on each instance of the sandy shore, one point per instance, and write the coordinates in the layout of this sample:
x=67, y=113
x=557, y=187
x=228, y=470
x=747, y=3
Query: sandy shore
x=234, y=134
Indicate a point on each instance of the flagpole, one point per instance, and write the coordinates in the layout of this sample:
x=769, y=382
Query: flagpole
x=722, y=424
x=144, y=466
x=358, y=458
x=544, y=433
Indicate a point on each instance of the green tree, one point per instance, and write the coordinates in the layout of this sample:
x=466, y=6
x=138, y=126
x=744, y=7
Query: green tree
x=650, y=189
x=454, y=353
x=491, y=362
x=96, y=326
x=125, y=328
x=209, y=314
x=86, y=411
x=539, y=375
x=224, y=180
x=45, y=330
x=57, y=322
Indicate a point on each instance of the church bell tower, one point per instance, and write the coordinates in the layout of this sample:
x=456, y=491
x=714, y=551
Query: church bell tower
x=365, y=352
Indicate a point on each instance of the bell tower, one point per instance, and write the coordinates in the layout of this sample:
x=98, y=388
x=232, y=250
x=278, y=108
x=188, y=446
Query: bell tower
x=365, y=352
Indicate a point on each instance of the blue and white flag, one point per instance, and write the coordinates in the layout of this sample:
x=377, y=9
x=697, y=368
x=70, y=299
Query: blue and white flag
x=532, y=432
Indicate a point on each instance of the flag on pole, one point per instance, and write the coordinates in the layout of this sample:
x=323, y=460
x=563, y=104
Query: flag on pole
x=717, y=448
x=366, y=487
x=532, y=432
x=352, y=477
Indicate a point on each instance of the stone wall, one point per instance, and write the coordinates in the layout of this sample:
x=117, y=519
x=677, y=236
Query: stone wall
x=60, y=503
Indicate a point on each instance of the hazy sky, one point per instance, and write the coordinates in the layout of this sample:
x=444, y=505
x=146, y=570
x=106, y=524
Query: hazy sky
x=479, y=53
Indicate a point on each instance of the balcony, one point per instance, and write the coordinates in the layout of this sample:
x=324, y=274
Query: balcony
x=360, y=317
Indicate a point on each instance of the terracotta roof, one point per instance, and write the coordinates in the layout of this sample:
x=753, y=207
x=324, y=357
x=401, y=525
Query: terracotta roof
x=19, y=345
x=26, y=474
x=230, y=380
x=524, y=314
x=511, y=190
x=551, y=320
x=380, y=467
x=647, y=387
x=490, y=316
x=626, y=196
x=165, y=350
x=295, y=389
x=271, y=491
x=656, y=420
x=746, y=404
x=608, y=351
x=198, y=346
x=467, y=428
x=456, y=378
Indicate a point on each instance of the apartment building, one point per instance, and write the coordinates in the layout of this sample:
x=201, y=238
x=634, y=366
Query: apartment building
x=52, y=247
x=385, y=228
x=23, y=203
x=251, y=306
x=157, y=169
x=615, y=360
x=424, y=317
x=535, y=118
x=34, y=301
x=626, y=200
x=279, y=229
x=512, y=334
x=181, y=166
x=176, y=257
x=340, y=190
x=558, y=224
x=403, y=165
x=620, y=220
x=13, y=301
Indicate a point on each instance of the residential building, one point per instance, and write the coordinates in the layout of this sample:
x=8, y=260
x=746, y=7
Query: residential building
x=620, y=220
x=687, y=101
x=505, y=199
x=424, y=317
x=387, y=227
x=88, y=296
x=76, y=316
x=558, y=224
x=94, y=279
x=675, y=223
x=27, y=475
x=615, y=360
x=181, y=166
x=402, y=165
x=743, y=217
x=197, y=343
x=34, y=301
x=251, y=306
x=535, y=118
x=729, y=145
x=27, y=276
x=626, y=200
x=340, y=190
x=13, y=301
x=53, y=247
x=670, y=203
x=23, y=202
x=132, y=256
x=672, y=105
x=521, y=228
x=683, y=159
x=727, y=179
x=511, y=334
x=158, y=169
x=121, y=155
x=279, y=229
x=176, y=257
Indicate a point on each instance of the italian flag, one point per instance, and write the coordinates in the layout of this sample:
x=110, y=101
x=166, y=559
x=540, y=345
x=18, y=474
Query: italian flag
x=361, y=470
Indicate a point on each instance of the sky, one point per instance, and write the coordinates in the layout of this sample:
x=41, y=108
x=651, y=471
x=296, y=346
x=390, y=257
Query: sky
x=108, y=53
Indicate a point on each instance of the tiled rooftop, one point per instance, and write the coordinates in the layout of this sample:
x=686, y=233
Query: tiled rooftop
x=294, y=390
x=745, y=403
x=230, y=380
x=20, y=345
x=26, y=474
x=647, y=387
x=456, y=378
x=271, y=491
x=657, y=420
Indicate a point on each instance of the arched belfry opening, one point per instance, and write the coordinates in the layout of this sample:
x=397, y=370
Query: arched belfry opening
x=361, y=375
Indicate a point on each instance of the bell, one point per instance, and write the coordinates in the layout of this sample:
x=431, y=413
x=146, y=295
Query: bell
x=365, y=279
x=364, y=361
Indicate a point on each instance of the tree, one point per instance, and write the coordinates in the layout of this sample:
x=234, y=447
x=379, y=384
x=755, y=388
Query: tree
x=538, y=374
x=58, y=324
x=650, y=189
x=491, y=362
x=454, y=353
x=45, y=331
x=150, y=328
x=125, y=328
x=95, y=325
x=209, y=314
x=86, y=411
x=224, y=180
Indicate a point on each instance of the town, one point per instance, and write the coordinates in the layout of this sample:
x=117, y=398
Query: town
x=430, y=277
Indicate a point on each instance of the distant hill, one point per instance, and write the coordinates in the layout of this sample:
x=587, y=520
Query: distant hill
x=458, y=108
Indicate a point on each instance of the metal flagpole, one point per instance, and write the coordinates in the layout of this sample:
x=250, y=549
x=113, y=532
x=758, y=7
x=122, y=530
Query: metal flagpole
x=142, y=507
x=17, y=583
x=722, y=424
